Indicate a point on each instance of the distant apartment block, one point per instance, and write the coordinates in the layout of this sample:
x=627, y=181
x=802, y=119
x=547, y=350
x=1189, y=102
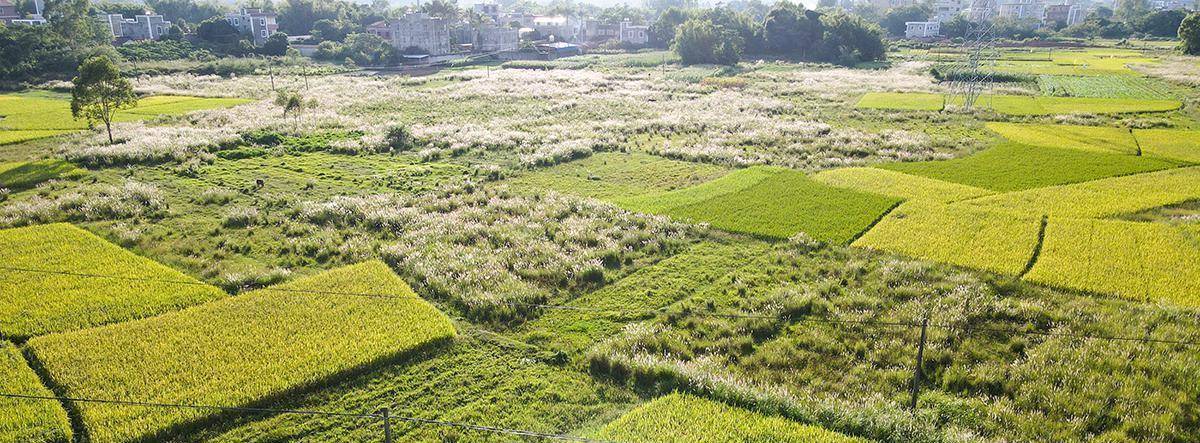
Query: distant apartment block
x=253, y=22
x=1066, y=14
x=922, y=30
x=1021, y=10
x=1172, y=5
x=10, y=16
x=634, y=34
x=944, y=10
x=140, y=27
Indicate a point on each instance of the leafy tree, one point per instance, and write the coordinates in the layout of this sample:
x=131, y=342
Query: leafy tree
x=336, y=30
x=958, y=26
x=822, y=4
x=187, y=10
x=1130, y=11
x=34, y=53
x=894, y=19
x=100, y=91
x=117, y=7
x=446, y=9
x=664, y=5
x=276, y=45
x=662, y=31
x=1102, y=12
x=73, y=20
x=292, y=103
x=1162, y=23
x=1189, y=34
x=702, y=41
x=790, y=29
x=217, y=30
x=849, y=39
x=738, y=23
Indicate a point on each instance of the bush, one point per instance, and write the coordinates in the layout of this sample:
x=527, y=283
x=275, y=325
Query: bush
x=398, y=138
x=1189, y=34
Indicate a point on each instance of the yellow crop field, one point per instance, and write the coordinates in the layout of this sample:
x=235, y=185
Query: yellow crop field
x=1170, y=143
x=997, y=241
x=239, y=350
x=898, y=184
x=1087, y=138
x=1101, y=198
x=684, y=418
x=1140, y=261
x=27, y=420
x=45, y=294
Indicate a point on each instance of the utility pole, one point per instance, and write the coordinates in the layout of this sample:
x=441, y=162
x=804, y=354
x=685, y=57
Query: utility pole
x=916, y=383
x=387, y=425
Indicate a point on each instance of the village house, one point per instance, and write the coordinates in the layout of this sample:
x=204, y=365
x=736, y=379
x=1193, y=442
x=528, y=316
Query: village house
x=922, y=30
x=10, y=16
x=417, y=29
x=1020, y=10
x=8, y=11
x=253, y=22
x=1066, y=14
x=634, y=34
x=141, y=27
x=490, y=38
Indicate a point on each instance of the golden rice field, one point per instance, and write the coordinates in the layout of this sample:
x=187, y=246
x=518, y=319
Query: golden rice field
x=682, y=418
x=1101, y=198
x=899, y=185
x=27, y=421
x=240, y=350
x=42, y=290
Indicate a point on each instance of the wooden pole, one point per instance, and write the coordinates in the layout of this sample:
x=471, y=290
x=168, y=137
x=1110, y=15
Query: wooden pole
x=916, y=382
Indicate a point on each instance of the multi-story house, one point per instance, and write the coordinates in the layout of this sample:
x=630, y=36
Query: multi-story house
x=1067, y=15
x=1022, y=10
x=922, y=30
x=491, y=38
x=634, y=34
x=140, y=27
x=253, y=22
x=8, y=11
x=418, y=29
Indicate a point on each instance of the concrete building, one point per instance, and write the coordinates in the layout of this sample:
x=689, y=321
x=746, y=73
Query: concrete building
x=563, y=27
x=922, y=30
x=491, y=38
x=10, y=16
x=634, y=34
x=8, y=11
x=1021, y=10
x=253, y=22
x=1172, y=5
x=944, y=10
x=140, y=27
x=597, y=31
x=489, y=10
x=431, y=34
x=1066, y=14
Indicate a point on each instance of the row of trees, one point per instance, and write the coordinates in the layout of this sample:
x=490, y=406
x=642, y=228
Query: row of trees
x=722, y=35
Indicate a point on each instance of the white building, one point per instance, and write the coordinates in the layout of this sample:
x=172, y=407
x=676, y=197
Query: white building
x=140, y=27
x=634, y=34
x=944, y=10
x=1021, y=10
x=564, y=27
x=1172, y=5
x=1066, y=14
x=922, y=30
x=497, y=39
x=253, y=22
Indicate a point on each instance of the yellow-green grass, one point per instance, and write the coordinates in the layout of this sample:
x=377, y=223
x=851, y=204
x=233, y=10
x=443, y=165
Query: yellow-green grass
x=34, y=303
x=683, y=418
x=613, y=176
x=775, y=203
x=1101, y=198
x=20, y=175
x=898, y=184
x=245, y=350
x=992, y=240
x=1111, y=86
x=1019, y=104
x=1140, y=261
x=1012, y=167
x=903, y=101
x=31, y=116
x=1086, y=138
x=28, y=420
x=1170, y=143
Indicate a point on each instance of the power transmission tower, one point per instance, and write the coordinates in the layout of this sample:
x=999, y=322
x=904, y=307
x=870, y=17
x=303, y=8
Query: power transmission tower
x=972, y=74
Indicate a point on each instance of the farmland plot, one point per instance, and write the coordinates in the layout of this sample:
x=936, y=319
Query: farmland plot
x=997, y=241
x=898, y=184
x=1104, y=86
x=1085, y=138
x=779, y=204
x=1020, y=104
x=614, y=176
x=1012, y=167
x=23, y=420
x=58, y=299
x=239, y=351
x=686, y=418
x=20, y=175
x=33, y=116
x=1170, y=143
x=1101, y=198
x=1139, y=261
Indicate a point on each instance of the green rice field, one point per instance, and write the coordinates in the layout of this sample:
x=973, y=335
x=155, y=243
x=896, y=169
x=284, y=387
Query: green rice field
x=1104, y=86
x=997, y=241
x=31, y=116
x=239, y=351
x=1012, y=167
x=775, y=203
x=58, y=298
x=614, y=176
x=21, y=175
x=1018, y=104
x=26, y=421
x=682, y=418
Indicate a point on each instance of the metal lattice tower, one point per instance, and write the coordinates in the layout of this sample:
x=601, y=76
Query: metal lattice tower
x=972, y=74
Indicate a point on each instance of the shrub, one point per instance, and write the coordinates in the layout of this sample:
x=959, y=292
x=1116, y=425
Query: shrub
x=702, y=41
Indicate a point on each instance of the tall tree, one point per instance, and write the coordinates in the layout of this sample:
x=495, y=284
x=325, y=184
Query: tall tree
x=1189, y=34
x=894, y=19
x=662, y=31
x=100, y=92
x=73, y=20
x=1130, y=11
x=790, y=29
x=700, y=40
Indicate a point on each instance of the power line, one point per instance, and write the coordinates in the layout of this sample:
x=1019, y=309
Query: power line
x=377, y=416
x=642, y=312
